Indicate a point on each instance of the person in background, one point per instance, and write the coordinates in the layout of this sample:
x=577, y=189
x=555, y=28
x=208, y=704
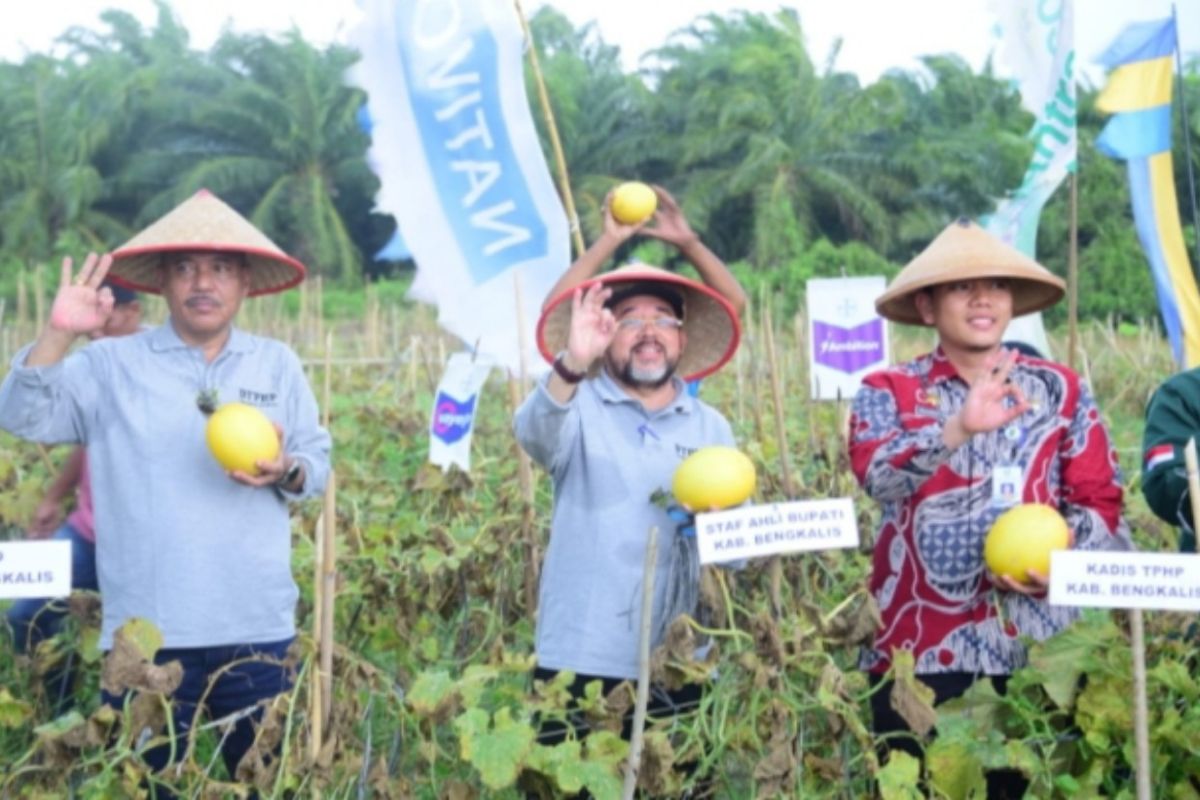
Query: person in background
x=34, y=620
x=935, y=440
x=1172, y=419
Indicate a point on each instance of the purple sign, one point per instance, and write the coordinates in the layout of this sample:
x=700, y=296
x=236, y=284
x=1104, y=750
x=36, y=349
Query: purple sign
x=452, y=418
x=848, y=349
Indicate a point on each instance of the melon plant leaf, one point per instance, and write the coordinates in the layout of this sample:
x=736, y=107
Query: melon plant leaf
x=899, y=779
x=497, y=750
x=954, y=770
x=431, y=692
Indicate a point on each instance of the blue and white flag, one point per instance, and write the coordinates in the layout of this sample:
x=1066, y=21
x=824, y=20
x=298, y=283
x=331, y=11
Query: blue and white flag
x=1038, y=44
x=460, y=165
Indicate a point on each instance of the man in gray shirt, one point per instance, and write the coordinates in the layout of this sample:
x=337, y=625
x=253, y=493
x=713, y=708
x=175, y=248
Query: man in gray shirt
x=610, y=424
x=203, y=554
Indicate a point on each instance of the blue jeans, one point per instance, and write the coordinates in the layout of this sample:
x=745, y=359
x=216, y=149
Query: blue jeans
x=34, y=619
x=258, y=676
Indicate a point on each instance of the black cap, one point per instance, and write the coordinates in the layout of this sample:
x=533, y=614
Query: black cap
x=663, y=291
x=121, y=295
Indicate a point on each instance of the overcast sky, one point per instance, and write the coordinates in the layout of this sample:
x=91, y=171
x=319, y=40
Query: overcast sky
x=876, y=35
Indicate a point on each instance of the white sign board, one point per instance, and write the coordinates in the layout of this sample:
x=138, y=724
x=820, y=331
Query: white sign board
x=35, y=569
x=847, y=339
x=769, y=529
x=1098, y=579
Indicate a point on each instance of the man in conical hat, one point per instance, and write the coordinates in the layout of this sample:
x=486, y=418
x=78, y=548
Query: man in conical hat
x=202, y=554
x=610, y=423
x=952, y=439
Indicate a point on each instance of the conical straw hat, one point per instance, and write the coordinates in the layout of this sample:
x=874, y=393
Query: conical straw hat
x=964, y=251
x=204, y=222
x=709, y=321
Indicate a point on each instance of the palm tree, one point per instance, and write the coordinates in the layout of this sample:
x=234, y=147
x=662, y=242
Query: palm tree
x=280, y=139
x=763, y=135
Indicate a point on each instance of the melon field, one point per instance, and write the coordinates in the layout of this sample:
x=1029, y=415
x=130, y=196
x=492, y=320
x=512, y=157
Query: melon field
x=436, y=577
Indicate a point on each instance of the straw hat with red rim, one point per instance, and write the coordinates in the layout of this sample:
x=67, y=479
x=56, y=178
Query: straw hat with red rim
x=965, y=251
x=204, y=223
x=708, y=320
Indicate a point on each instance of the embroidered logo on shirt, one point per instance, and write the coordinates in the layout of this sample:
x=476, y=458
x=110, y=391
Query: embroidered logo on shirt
x=258, y=398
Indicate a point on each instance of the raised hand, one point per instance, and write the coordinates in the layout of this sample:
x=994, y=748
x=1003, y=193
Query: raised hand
x=993, y=400
x=82, y=306
x=670, y=225
x=592, y=326
x=614, y=229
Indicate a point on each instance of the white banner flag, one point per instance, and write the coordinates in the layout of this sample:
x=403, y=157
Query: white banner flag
x=1038, y=44
x=848, y=340
x=460, y=164
x=453, y=419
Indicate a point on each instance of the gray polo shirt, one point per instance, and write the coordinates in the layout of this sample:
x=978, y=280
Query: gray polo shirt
x=606, y=455
x=206, y=559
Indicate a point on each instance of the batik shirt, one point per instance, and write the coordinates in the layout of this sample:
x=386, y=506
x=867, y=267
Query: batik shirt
x=937, y=504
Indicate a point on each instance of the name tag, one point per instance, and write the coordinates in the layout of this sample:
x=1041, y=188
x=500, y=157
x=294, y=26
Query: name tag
x=35, y=569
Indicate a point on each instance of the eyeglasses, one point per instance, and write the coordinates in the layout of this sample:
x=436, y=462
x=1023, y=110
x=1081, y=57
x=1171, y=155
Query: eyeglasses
x=635, y=325
x=220, y=269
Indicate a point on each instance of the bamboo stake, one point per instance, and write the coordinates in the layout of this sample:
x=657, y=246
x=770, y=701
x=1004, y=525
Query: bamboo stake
x=637, y=739
x=315, y=703
x=1141, y=713
x=789, y=487
x=328, y=595
x=39, y=302
x=560, y=161
x=327, y=391
x=22, y=301
x=525, y=478
x=1193, y=479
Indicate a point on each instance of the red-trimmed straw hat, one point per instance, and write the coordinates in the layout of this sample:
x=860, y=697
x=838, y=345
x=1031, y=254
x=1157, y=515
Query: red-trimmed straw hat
x=709, y=320
x=204, y=222
x=965, y=251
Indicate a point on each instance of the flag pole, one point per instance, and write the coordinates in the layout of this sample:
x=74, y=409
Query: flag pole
x=560, y=161
x=1187, y=138
x=1073, y=272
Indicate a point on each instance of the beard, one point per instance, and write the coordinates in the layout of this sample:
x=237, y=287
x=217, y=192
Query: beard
x=640, y=377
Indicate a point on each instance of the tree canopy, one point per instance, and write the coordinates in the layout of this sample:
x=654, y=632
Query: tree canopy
x=789, y=166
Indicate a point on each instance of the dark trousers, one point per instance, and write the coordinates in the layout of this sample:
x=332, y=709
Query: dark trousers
x=663, y=703
x=260, y=675
x=1002, y=784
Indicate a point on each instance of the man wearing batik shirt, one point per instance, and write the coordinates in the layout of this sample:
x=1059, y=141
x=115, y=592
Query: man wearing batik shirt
x=937, y=441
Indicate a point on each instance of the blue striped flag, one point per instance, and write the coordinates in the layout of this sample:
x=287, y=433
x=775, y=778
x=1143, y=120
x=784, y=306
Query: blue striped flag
x=1139, y=94
x=461, y=167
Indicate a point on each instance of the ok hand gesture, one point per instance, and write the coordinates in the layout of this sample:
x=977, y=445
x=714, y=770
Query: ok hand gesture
x=592, y=326
x=82, y=305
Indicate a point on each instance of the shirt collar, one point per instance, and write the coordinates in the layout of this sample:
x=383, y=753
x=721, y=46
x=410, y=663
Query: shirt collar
x=611, y=392
x=165, y=338
x=939, y=367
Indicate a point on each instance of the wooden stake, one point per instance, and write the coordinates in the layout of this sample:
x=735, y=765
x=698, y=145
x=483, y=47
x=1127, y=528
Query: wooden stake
x=560, y=161
x=637, y=739
x=1193, y=480
x=328, y=595
x=315, y=703
x=789, y=488
x=39, y=302
x=327, y=392
x=525, y=476
x=1141, y=714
